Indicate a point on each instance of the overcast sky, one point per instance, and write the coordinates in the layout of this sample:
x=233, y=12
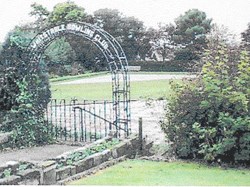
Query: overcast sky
x=235, y=14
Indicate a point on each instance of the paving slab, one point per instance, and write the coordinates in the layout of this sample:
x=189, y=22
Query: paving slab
x=35, y=154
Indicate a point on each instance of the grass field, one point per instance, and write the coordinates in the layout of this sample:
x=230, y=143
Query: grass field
x=138, y=172
x=99, y=91
x=76, y=77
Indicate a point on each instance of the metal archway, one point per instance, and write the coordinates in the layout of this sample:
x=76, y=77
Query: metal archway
x=113, y=54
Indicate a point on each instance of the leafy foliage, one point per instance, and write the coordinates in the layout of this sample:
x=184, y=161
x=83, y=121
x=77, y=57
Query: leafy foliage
x=210, y=117
x=191, y=30
x=64, y=12
x=41, y=14
x=7, y=173
x=80, y=155
x=246, y=38
x=24, y=94
x=58, y=56
x=162, y=41
x=69, y=54
x=129, y=31
x=138, y=43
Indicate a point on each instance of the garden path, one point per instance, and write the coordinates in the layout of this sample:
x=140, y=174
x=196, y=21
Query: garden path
x=151, y=111
x=133, y=77
x=35, y=154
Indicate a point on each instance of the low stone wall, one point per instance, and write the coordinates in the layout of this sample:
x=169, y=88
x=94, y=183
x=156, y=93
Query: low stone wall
x=47, y=173
x=128, y=148
x=92, y=170
x=18, y=175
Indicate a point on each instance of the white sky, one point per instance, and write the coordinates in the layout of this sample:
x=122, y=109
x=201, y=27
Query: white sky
x=235, y=14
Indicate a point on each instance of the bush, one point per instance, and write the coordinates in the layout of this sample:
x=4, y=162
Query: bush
x=169, y=66
x=24, y=95
x=209, y=118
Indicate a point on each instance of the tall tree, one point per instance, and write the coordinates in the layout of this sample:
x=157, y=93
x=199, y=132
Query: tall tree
x=132, y=33
x=129, y=31
x=1, y=47
x=221, y=35
x=58, y=55
x=110, y=20
x=190, y=34
x=68, y=11
x=40, y=13
x=246, y=38
x=162, y=41
x=81, y=55
x=145, y=44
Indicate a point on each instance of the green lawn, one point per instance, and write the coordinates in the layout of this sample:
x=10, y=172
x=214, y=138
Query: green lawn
x=137, y=172
x=99, y=91
x=76, y=77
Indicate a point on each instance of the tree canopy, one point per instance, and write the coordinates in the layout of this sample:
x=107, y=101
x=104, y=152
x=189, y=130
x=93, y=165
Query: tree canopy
x=190, y=34
x=67, y=11
x=246, y=38
x=129, y=31
x=183, y=42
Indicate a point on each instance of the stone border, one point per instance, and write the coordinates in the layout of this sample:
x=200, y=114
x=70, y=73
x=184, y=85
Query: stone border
x=30, y=176
x=128, y=148
x=46, y=172
x=92, y=170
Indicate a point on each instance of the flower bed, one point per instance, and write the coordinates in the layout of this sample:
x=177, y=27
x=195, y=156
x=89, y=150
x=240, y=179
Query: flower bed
x=98, y=155
x=82, y=154
x=101, y=154
x=19, y=173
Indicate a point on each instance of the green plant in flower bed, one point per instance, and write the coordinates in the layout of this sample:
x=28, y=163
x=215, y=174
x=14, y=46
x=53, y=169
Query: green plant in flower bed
x=22, y=166
x=6, y=173
x=80, y=155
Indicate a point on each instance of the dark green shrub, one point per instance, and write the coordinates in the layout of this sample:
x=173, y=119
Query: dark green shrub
x=24, y=95
x=209, y=117
x=169, y=66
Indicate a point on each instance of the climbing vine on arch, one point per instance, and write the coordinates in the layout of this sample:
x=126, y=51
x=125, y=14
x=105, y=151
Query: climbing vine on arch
x=24, y=95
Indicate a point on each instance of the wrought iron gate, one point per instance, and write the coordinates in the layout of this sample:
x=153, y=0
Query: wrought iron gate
x=114, y=56
x=82, y=120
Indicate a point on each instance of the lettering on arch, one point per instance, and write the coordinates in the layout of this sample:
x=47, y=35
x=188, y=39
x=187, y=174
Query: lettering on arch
x=91, y=33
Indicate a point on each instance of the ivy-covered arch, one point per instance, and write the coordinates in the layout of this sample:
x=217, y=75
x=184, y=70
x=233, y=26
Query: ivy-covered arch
x=112, y=52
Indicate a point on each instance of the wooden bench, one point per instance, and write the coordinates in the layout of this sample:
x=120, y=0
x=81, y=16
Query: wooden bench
x=134, y=68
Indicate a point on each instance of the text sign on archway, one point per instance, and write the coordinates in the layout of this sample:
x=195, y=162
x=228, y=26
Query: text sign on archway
x=56, y=31
x=112, y=52
x=89, y=32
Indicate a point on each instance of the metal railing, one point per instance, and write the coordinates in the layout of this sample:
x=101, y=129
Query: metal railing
x=83, y=121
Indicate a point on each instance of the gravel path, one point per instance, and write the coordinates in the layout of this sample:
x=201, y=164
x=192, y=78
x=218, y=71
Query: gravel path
x=133, y=77
x=151, y=111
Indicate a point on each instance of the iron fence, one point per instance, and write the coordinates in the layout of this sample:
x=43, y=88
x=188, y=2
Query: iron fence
x=84, y=121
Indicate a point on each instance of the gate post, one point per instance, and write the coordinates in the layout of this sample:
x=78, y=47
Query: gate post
x=140, y=133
